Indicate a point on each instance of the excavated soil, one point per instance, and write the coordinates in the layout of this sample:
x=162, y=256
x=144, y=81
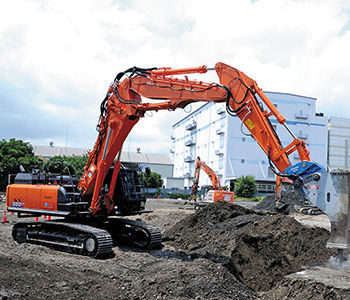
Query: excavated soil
x=259, y=249
x=294, y=200
x=222, y=251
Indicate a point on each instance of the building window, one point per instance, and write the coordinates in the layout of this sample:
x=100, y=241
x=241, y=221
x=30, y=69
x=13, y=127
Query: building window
x=242, y=161
x=243, y=139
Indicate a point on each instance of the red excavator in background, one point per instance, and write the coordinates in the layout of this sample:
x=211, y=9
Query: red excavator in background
x=91, y=207
x=215, y=193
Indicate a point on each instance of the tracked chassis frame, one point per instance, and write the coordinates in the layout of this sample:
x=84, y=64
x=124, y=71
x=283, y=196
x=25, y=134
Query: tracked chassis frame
x=94, y=241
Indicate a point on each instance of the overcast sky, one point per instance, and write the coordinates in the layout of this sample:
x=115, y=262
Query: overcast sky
x=57, y=58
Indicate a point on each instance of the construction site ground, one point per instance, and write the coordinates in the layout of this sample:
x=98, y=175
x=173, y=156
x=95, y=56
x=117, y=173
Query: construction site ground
x=219, y=252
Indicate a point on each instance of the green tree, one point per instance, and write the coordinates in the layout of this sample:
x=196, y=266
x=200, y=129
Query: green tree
x=14, y=153
x=75, y=163
x=245, y=186
x=152, y=180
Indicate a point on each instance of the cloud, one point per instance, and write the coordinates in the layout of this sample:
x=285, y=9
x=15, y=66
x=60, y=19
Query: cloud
x=58, y=57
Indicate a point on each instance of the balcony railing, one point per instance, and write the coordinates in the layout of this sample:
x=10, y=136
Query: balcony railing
x=188, y=159
x=220, y=110
x=219, y=152
x=190, y=142
x=220, y=131
x=191, y=126
x=302, y=135
x=301, y=115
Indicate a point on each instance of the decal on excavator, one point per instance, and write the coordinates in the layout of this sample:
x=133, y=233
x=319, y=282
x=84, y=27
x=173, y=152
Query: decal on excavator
x=249, y=124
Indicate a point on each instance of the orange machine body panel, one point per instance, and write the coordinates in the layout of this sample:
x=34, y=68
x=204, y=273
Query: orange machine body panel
x=32, y=196
x=216, y=195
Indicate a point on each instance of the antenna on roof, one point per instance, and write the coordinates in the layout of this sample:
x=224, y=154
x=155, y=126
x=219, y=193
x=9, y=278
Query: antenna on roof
x=51, y=143
x=138, y=150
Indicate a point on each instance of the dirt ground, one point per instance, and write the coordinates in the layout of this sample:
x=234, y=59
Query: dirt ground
x=223, y=260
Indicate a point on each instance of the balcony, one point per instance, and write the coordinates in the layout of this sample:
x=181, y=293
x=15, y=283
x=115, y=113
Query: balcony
x=220, y=131
x=302, y=135
x=219, y=152
x=188, y=159
x=301, y=115
x=220, y=110
x=191, y=126
x=190, y=142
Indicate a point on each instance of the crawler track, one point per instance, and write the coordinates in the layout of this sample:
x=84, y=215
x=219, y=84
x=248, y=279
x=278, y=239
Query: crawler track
x=136, y=233
x=95, y=241
x=68, y=237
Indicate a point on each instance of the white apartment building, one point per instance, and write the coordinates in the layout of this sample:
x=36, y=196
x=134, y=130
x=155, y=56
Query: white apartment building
x=221, y=141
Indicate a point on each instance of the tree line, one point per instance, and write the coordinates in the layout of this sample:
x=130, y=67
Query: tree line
x=15, y=153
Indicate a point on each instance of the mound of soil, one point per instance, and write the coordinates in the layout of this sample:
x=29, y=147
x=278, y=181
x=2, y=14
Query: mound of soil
x=292, y=199
x=258, y=248
x=298, y=289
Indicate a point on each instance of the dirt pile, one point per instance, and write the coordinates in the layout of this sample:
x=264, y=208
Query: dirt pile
x=258, y=248
x=291, y=288
x=292, y=199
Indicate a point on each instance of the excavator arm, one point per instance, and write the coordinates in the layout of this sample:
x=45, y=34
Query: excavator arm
x=123, y=107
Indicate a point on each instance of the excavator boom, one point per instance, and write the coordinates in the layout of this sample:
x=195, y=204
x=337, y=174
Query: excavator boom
x=123, y=107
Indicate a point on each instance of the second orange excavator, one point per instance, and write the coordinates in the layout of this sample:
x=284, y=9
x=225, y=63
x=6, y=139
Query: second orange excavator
x=216, y=193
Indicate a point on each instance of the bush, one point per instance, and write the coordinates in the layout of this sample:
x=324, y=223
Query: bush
x=245, y=186
x=152, y=180
x=76, y=164
x=179, y=195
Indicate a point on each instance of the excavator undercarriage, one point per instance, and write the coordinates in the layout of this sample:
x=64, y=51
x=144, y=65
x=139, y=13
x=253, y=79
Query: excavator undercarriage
x=77, y=230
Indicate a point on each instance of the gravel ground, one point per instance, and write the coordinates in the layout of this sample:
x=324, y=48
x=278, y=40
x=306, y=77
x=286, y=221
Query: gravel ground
x=176, y=271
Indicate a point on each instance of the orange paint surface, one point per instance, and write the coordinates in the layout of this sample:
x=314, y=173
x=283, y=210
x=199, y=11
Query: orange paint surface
x=34, y=196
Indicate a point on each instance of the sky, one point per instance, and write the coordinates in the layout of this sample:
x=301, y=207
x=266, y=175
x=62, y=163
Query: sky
x=58, y=57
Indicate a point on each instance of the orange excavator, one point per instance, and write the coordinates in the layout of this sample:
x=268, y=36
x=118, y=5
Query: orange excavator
x=216, y=193
x=90, y=207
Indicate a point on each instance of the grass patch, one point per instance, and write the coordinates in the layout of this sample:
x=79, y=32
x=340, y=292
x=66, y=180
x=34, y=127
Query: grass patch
x=254, y=199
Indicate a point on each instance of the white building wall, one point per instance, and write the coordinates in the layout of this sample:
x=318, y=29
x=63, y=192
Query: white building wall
x=339, y=143
x=219, y=141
